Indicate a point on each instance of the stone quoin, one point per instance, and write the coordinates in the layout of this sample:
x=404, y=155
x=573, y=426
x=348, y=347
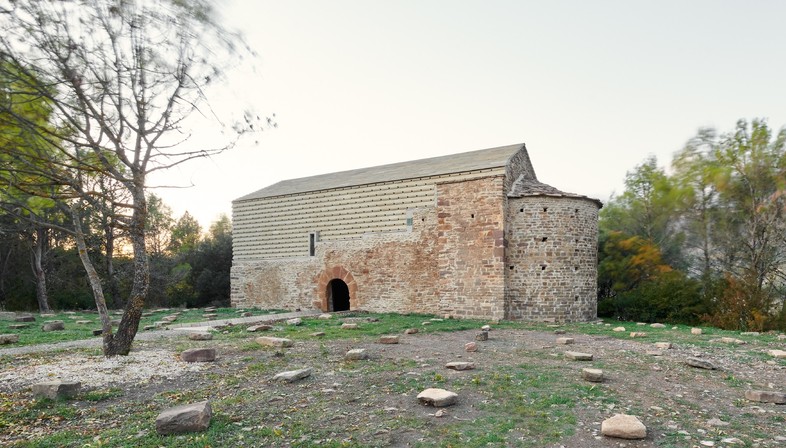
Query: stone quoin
x=469, y=235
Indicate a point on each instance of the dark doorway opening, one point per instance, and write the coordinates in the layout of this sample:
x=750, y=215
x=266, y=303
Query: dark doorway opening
x=338, y=295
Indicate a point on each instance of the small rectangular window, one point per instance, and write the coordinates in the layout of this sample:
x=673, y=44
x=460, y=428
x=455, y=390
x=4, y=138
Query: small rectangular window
x=409, y=222
x=312, y=244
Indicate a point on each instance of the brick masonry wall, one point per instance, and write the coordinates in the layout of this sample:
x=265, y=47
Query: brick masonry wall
x=470, y=248
x=392, y=271
x=551, y=261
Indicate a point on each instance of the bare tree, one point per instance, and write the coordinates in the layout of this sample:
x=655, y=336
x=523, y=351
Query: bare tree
x=122, y=78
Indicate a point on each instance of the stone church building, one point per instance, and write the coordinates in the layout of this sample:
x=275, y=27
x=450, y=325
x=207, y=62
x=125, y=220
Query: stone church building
x=472, y=235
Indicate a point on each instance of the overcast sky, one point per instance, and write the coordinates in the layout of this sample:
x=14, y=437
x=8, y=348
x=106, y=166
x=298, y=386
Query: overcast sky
x=591, y=87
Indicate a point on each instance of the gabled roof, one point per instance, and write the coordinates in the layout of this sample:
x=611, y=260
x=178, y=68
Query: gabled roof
x=434, y=166
x=527, y=186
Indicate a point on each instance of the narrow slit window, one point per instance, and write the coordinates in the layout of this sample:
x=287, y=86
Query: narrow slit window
x=312, y=244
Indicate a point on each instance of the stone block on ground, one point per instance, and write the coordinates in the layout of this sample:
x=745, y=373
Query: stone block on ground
x=734, y=341
x=293, y=375
x=262, y=327
x=200, y=336
x=24, y=319
x=56, y=389
x=18, y=326
x=657, y=325
x=246, y=314
x=482, y=336
x=411, y=331
x=199, y=355
x=559, y=331
x=356, y=354
x=295, y=321
x=777, y=354
x=764, y=396
x=485, y=328
x=274, y=342
x=317, y=334
x=348, y=326
x=619, y=329
x=325, y=316
x=623, y=426
x=437, y=397
x=663, y=345
x=700, y=363
x=638, y=334
x=695, y=331
x=388, y=339
x=55, y=325
x=188, y=418
x=83, y=322
x=592, y=375
x=471, y=347
x=578, y=356
x=460, y=365
x=565, y=341
x=9, y=338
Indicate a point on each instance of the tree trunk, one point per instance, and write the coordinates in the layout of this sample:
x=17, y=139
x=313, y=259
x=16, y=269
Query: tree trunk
x=95, y=281
x=38, y=240
x=129, y=325
x=114, y=291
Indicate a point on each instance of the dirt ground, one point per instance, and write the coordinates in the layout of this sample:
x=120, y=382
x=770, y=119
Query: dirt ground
x=373, y=402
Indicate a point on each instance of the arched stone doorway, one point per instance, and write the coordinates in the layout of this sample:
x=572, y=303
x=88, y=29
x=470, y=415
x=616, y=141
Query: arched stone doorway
x=338, y=295
x=331, y=283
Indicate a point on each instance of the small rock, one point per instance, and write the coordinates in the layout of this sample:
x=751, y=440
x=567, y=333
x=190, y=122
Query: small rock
x=578, y=356
x=9, y=338
x=317, y=334
x=638, y=334
x=356, y=354
x=696, y=331
x=437, y=397
x=436, y=319
x=440, y=413
x=255, y=328
x=471, y=347
x=24, y=319
x=707, y=443
x=55, y=325
x=641, y=324
x=246, y=314
x=200, y=336
x=325, y=316
x=411, y=331
x=559, y=331
x=777, y=354
x=763, y=396
x=717, y=422
x=83, y=322
x=732, y=441
x=657, y=325
x=18, y=326
x=482, y=336
x=749, y=333
x=565, y=341
x=663, y=345
x=485, y=328
x=623, y=427
x=592, y=375
x=732, y=341
x=146, y=328
x=349, y=326
x=618, y=329
x=184, y=419
x=295, y=321
x=781, y=337
x=460, y=365
x=388, y=339
x=700, y=363
x=654, y=353
x=199, y=355
x=56, y=389
x=273, y=342
x=293, y=375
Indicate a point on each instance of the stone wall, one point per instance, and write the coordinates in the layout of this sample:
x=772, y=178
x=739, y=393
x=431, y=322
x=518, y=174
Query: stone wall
x=470, y=248
x=551, y=259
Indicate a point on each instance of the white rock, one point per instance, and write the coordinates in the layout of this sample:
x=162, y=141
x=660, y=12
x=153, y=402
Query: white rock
x=293, y=375
x=295, y=321
x=274, y=342
x=578, y=356
x=777, y=353
x=460, y=365
x=623, y=426
x=356, y=354
x=437, y=397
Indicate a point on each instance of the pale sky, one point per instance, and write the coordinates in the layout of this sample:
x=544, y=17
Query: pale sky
x=591, y=87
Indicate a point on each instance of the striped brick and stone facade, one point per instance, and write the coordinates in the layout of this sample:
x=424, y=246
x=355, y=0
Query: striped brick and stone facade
x=468, y=235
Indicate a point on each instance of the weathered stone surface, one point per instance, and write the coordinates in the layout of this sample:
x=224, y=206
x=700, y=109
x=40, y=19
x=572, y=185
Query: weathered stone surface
x=695, y=331
x=749, y=333
x=638, y=334
x=18, y=326
x=325, y=316
x=263, y=327
x=166, y=319
x=663, y=345
x=460, y=365
x=199, y=355
x=485, y=328
x=24, y=319
x=482, y=336
x=210, y=316
x=55, y=325
x=9, y=338
x=356, y=354
x=700, y=363
x=293, y=375
x=777, y=353
x=349, y=326
x=764, y=396
x=411, y=331
x=295, y=321
x=619, y=329
x=388, y=339
x=565, y=341
x=715, y=421
x=47, y=315
x=188, y=418
x=200, y=336
x=56, y=389
x=437, y=397
x=727, y=340
x=657, y=325
x=559, y=331
x=578, y=356
x=274, y=342
x=592, y=375
x=317, y=334
x=623, y=426
x=471, y=347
